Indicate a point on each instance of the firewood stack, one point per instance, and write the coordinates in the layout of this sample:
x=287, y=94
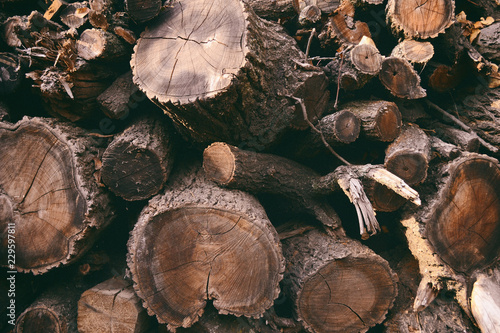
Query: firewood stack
x=250, y=166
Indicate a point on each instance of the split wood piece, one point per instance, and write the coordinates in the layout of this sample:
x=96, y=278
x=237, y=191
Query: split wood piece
x=54, y=7
x=399, y=77
x=137, y=163
x=55, y=310
x=126, y=34
x=120, y=97
x=100, y=44
x=256, y=172
x=112, y=306
x=414, y=51
x=75, y=14
x=326, y=6
x=359, y=66
x=342, y=28
x=485, y=301
x=141, y=11
x=380, y=120
x=11, y=73
x=467, y=141
x=337, y=285
x=223, y=83
x=487, y=42
x=72, y=95
x=49, y=193
x=408, y=158
x=273, y=10
x=453, y=236
x=421, y=18
x=197, y=242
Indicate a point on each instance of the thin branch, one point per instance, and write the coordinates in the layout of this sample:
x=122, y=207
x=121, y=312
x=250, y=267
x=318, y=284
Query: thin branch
x=335, y=106
x=311, y=125
x=313, y=32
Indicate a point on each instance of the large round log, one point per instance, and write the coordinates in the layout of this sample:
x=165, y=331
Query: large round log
x=337, y=285
x=198, y=242
x=223, y=74
x=49, y=199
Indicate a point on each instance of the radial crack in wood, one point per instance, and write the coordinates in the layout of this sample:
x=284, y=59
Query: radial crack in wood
x=399, y=77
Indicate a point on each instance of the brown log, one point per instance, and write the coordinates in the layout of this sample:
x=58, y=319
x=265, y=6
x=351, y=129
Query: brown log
x=120, y=97
x=126, y=34
x=11, y=73
x=337, y=285
x=414, y=51
x=325, y=6
x=399, y=77
x=465, y=140
x=309, y=15
x=54, y=7
x=453, y=235
x=100, y=44
x=420, y=19
x=197, y=242
x=142, y=11
x=137, y=163
x=273, y=9
x=75, y=14
x=380, y=120
x=487, y=42
x=244, y=99
x=112, y=306
x=51, y=199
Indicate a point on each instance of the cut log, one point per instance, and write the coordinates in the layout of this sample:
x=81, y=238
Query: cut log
x=337, y=285
x=485, y=301
x=223, y=83
x=309, y=15
x=142, y=11
x=399, y=77
x=380, y=120
x=136, y=164
x=54, y=7
x=414, y=51
x=49, y=195
x=11, y=73
x=198, y=242
x=421, y=18
x=487, y=42
x=273, y=9
x=55, y=310
x=326, y=6
x=126, y=34
x=100, y=44
x=75, y=14
x=121, y=96
x=112, y=306
x=467, y=141
x=453, y=236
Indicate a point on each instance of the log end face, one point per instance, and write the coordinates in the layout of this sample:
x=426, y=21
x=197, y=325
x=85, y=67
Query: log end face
x=33, y=319
x=389, y=122
x=91, y=44
x=409, y=166
x=219, y=163
x=399, y=77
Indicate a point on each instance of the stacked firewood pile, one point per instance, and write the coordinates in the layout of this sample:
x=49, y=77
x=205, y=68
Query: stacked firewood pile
x=250, y=166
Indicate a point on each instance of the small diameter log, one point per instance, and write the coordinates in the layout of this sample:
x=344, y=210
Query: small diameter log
x=485, y=301
x=141, y=11
x=467, y=141
x=112, y=306
x=408, y=158
x=100, y=11
x=420, y=19
x=326, y=6
x=273, y=9
x=11, y=73
x=337, y=285
x=224, y=83
x=454, y=235
x=197, y=242
x=75, y=14
x=55, y=310
x=122, y=95
x=100, y=44
x=50, y=199
x=399, y=77
x=414, y=51
x=137, y=163
x=380, y=120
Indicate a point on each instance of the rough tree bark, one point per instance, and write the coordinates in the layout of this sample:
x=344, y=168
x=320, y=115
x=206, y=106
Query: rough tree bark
x=137, y=163
x=49, y=194
x=197, y=242
x=227, y=79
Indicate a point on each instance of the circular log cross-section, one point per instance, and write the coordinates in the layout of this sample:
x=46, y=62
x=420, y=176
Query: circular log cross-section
x=420, y=18
x=223, y=74
x=48, y=199
x=198, y=242
x=464, y=225
x=337, y=285
x=399, y=77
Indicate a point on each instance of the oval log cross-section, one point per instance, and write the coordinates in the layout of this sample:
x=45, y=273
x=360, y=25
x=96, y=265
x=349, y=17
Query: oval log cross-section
x=464, y=227
x=220, y=73
x=204, y=243
x=43, y=198
x=420, y=18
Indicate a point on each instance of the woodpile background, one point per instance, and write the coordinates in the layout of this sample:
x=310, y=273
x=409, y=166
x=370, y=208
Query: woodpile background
x=250, y=166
